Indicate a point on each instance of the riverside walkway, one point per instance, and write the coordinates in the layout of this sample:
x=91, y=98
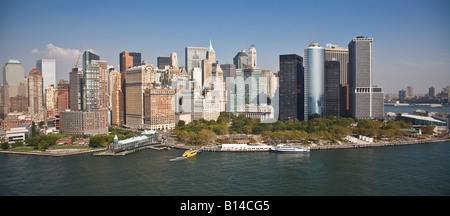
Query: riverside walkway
x=54, y=153
x=378, y=144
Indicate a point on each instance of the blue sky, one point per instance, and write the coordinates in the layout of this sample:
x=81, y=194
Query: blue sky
x=411, y=37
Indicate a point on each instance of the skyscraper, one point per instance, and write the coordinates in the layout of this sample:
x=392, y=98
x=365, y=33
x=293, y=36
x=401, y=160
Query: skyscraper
x=95, y=89
x=50, y=97
x=162, y=62
x=13, y=89
x=159, y=113
x=76, y=89
x=13, y=73
x=252, y=56
x=207, y=65
x=36, y=95
x=341, y=55
x=332, y=97
x=115, y=90
x=402, y=95
x=88, y=57
x=13, y=82
x=138, y=79
x=229, y=70
x=194, y=57
x=241, y=59
x=127, y=60
x=292, y=88
x=432, y=92
x=93, y=118
x=48, y=69
x=95, y=86
x=174, y=58
x=409, y=91
x=314, y=79
x=63, y=95
x=366, y=100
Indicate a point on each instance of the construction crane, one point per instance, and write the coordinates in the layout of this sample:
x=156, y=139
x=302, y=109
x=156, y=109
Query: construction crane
x=76, y=65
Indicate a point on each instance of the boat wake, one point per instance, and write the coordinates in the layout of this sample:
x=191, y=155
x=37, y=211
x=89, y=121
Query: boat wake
x=177, y=159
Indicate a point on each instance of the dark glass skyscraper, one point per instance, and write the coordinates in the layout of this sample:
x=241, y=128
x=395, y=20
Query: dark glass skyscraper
x=331, y=102
x=291, y=82
x=163, y=62
x=88, y=57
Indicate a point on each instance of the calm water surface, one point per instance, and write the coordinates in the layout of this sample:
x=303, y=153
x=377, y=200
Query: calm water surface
x=402, y=170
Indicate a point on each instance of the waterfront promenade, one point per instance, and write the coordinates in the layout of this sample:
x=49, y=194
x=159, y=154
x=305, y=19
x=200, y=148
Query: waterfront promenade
x=379, y=144
x=54, y=153
x=326, y=146
x=217, y=148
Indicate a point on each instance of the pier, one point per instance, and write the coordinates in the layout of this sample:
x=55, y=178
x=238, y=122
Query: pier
x=153, y=146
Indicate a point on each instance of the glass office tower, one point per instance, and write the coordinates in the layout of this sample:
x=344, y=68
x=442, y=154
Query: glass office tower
x=48, y=69
x=314, y=79
x=292, y=89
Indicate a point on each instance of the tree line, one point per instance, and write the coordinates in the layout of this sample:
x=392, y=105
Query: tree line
x=44, y=142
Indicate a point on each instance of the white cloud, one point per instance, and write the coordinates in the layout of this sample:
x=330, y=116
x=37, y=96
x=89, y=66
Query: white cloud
x=35, y=51
x=65, y=58
x=55, y=52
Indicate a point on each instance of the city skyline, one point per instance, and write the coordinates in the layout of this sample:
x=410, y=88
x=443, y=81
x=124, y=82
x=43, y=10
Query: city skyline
x=410, y=38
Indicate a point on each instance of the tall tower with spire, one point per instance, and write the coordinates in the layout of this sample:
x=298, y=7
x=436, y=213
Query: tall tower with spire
x=208, y=63
x=211, y=54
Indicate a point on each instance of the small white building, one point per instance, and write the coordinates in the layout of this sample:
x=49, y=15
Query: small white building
x=244, y=147
x=19, y=133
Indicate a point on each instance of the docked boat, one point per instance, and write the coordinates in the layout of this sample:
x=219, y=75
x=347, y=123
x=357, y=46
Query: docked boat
x=289, y=148
x=189, y=153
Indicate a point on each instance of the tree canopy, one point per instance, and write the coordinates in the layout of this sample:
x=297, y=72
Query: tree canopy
x=330, y=128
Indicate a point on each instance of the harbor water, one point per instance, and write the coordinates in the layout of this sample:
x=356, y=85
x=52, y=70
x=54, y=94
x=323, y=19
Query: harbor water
x=410, y=170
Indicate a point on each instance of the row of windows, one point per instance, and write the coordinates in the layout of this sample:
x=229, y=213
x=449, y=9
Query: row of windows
x=362, y=90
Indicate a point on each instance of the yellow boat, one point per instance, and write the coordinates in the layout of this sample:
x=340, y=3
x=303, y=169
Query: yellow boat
x=189, y=153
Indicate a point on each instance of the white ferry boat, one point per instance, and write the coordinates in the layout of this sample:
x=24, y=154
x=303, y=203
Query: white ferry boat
x=289, y=148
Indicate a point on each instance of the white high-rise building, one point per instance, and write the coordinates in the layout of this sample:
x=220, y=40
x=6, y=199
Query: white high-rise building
x=50, y=102
x=48, y=70
x=174, y=58
x=252, y=56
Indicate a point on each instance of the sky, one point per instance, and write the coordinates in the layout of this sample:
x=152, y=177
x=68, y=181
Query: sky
x=411, y=37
